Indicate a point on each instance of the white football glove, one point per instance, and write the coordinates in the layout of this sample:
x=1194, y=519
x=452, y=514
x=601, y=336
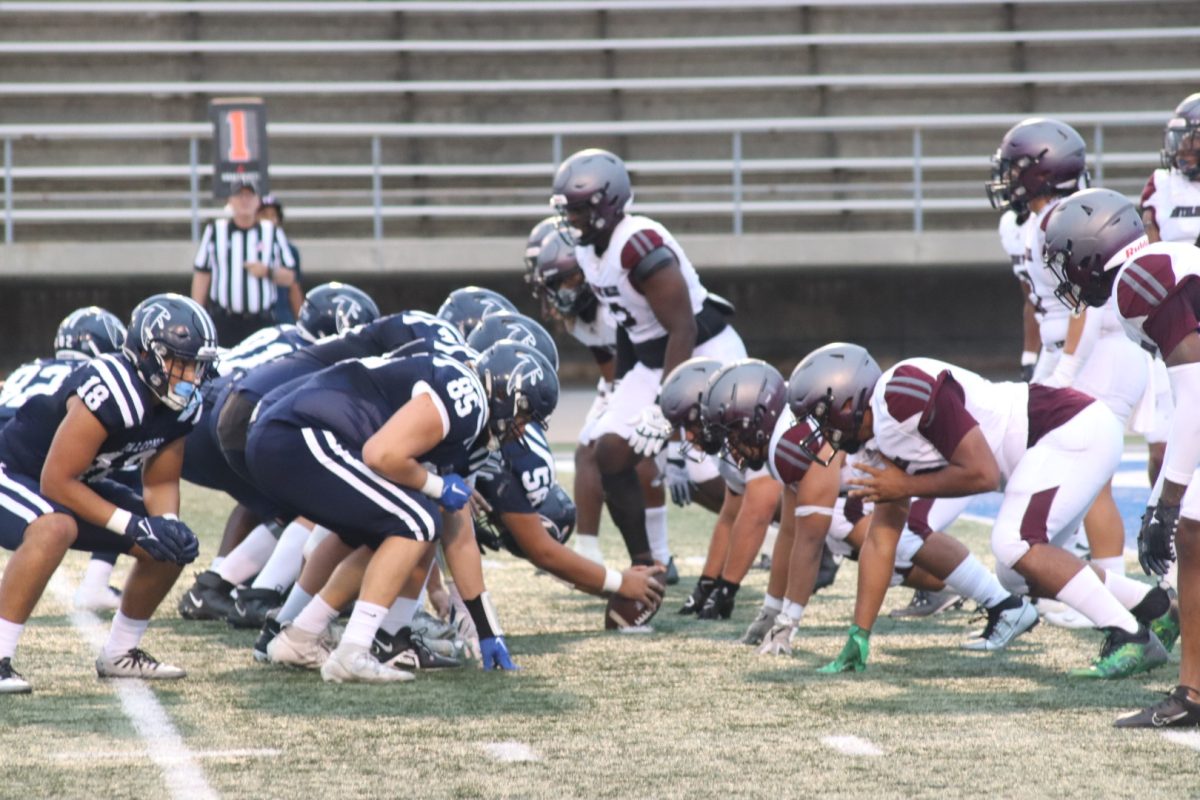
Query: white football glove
x=651, y=433
x=675, y=475
x=779, y=639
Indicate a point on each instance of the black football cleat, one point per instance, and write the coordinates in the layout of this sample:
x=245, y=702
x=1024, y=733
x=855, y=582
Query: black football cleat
x=404, y=651
x=1176, y=711
x=251, y=606
x=718, y=605
x=828, y=570
x=270, y=630
x=11, y=681
x=210, y=597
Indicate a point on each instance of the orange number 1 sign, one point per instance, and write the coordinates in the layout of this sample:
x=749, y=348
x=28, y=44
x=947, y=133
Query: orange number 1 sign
x=239, y=147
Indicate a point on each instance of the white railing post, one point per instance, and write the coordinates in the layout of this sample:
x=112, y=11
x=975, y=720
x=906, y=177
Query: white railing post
x=8, y=191
x=917, y=191
x=1098, y=150
x=194, y=185
x=556, y=155
x=377, y=185
x=737, y=183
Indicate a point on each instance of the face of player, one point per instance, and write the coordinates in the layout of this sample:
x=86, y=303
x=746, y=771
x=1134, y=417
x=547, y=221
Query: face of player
x=579, y=219
x=746, y=454
x=180, y=371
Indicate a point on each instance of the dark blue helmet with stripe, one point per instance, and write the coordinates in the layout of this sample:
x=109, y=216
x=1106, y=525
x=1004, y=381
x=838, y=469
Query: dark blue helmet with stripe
x=171, y=327
x=521, y=385
x=557, y=515
x=335, y=307
x=465, y=308
x=89, y=332
x=518, y=328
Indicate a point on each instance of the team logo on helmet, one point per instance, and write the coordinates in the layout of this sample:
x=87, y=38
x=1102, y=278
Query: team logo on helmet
x=527, y=373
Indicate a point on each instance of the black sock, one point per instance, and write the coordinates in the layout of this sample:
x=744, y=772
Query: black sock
x=1156, y=603
x=623, y=496
x=1012, y=601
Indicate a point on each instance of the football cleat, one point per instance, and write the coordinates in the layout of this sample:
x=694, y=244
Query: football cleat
x=11, y=681
x=251, y=607
x=1061, y=615
x=695, y=601
x=208, y=598
x=718, y=604
x=1177, y=711
x=105, y=598
x=270, y=630
x=1166, y=625
x=428, y=627
x=671, y=577
x=778, y=641
x=297, y=648
x=759, y=628
x=926, y=604
x=853, y=657
x=405, y=651
x=359, y=666
x=828, y=569
x=1004, y=625
x=137, y=663
x=1124, y=654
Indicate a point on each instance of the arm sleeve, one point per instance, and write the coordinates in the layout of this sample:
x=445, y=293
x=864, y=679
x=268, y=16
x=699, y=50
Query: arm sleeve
x=1183, y=442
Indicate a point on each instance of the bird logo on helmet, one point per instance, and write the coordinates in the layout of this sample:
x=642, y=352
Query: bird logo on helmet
x=89, y=332
x=335, y=307
x=514, y=327
x=465, y=308
x=521, y=386
x=176, y=328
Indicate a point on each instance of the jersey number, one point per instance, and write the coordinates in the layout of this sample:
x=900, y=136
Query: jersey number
x=621, y=314
x=30, y=381
x=461, y=392
x=537, y=484
x=93, y=392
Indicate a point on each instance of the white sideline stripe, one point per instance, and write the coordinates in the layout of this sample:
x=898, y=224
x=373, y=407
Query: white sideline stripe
x=511, y=751
x=851, y=746
x=1186, y=738
x=132, y=755
x=182, y=776
x=565, y=464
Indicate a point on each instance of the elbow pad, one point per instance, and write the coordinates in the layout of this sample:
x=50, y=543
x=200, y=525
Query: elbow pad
x=1183, y=442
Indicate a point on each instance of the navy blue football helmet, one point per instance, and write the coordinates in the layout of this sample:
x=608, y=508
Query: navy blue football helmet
x=89, y=332
x=521, y=385
x=334, y=307
x=171, y=326
x=557, y=513
x=466, y=307
x=518, y=328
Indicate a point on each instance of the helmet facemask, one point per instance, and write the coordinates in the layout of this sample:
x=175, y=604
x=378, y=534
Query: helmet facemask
x=1181, y=147
x=839, y=428
x=171, y=383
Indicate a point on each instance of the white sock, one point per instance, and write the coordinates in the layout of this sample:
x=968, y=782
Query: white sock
x=1127, y=591
x=1111, y=564
x=315, y=617
x=95, y=577
x=971, y=579
x=296, y=600
x=124, y=635
x=400, y=614
x=588, y=546
x=216, y=564
x=364, y=623
x=10, y=632
x=1087, y=595
x=794, y=610
x=315, y=537
x=283, y=567
x=656, y=532
x=248, y=557
x=772, y=603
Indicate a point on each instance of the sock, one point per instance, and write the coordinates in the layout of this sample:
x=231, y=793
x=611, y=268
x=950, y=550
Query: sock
x=656, y=534
x=248, y=557
x=399, y=615
x=623, y=495
x=1087, y=595
x=316, y=616
x=1114, y=564
x=971, y=579
x=794, y=611
x=1127, y=591
x=588, y=546
x=124, y=635
x=283, y=567
x=772, y=604
x=95, y=577
x=315, y=537
x=296, y=600
x=216, y=564
x=364, y=622
x=10, y=632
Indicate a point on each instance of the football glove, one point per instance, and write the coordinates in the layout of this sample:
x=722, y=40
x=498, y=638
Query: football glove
x=675, y=475
x=164, y=538
x=778, y=641
x=494, y=654
x=853, y=657
x=651, y=433
x=455, y=493
x=1156, y=539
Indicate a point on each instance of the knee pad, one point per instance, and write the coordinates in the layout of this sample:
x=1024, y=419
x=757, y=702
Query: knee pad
x=906, y=549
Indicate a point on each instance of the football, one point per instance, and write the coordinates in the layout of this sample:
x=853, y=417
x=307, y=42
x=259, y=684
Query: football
x=627, y=615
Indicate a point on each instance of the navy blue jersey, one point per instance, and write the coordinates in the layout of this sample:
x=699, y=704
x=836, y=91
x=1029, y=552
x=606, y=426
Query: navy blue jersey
x=262, y=347
x=385, y=335
x=137, y=424
x=40, y=377
x=523, y=478
x=354, y=399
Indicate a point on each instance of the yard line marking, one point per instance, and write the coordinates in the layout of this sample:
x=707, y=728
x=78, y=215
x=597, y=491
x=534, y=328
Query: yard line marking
x=1186, y=738
x=565, y=464
x=182, y=776
x=851, y=746
x=131, y=755
x=511, y=751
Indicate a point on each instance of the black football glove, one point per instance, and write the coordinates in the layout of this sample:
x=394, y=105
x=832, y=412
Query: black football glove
x=1027, y=372
x=1156, y=539
x=164, y=538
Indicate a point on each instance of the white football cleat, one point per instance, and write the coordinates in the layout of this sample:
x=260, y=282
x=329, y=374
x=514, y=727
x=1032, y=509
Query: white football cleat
x=359, y=666
x=137, y=663
x=1004, y=626
x=759, y=628
x=297, y=648
x=103, y=598
x=11, y=681
x=1062, y=615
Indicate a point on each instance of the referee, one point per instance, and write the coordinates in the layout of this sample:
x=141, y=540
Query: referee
x=239, y=266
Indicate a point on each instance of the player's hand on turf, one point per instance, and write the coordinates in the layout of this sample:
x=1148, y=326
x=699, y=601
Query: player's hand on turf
x=455, y=493
x=643, y=584
x=882, y=484
x=478, y=504
x=1156, y=539
x=675, y=475
x=651, y=432
x=494, y=654
x=164, y=538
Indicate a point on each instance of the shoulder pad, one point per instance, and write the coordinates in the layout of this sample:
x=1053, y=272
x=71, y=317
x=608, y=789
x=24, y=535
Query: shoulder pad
x=1143, y=284
x=907, y=392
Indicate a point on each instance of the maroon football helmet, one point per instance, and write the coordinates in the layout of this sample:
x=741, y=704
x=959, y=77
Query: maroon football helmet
x=682, y=400
x=833, y=385
x=1181, y=139
x=1088, y=237
x=1037, y=158
x=591, y=190
x=743, y=403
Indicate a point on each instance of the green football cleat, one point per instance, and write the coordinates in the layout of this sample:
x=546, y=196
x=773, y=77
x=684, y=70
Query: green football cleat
x=1125, y=654
x=1166, y=627
x=853, y=657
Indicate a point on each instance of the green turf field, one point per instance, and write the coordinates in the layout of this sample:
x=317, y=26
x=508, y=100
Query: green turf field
x=686, y=712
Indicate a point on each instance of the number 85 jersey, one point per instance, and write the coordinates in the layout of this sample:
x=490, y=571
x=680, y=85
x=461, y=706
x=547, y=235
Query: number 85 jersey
x=136, y=424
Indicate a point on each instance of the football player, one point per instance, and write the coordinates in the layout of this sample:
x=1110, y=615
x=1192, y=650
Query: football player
x=942, y=431
x=122, y=409
x=644, y=278
x=465, y=308
x=1097, y=246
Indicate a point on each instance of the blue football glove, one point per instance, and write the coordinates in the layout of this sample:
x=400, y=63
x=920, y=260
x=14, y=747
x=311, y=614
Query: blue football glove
x=455, y=493
x=494, y=653
x=164, y=538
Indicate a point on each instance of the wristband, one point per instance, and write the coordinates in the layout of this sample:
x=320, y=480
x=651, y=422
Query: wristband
x=433, y=486
x=175, y=518
x=612, y=581
x=119, y=521
x=1028, y=358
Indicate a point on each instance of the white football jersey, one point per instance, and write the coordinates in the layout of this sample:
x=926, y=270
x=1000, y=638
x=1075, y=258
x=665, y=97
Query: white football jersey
x=1052, y=316
x=1012, y=241
x=600, y=332
x=633, y=238
x=903, y=392
x=1176, y=204
x=736, y=479
x=1145, y=280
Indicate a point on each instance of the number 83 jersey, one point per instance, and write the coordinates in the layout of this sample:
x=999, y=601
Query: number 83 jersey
x=136, y=424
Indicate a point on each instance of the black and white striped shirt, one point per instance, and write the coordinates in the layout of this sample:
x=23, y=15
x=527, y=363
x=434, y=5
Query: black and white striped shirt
x=225, y=249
